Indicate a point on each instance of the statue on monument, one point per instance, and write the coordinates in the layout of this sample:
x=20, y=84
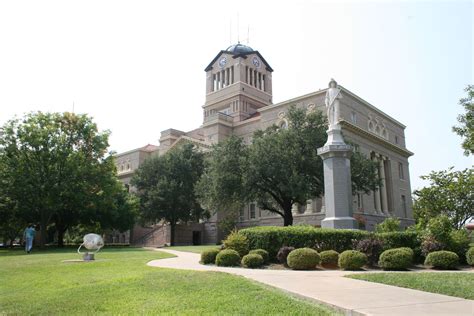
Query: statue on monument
x=333, y=95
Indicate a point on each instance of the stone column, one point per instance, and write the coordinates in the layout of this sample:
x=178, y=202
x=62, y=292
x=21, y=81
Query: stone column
x=337, y=182
x=377, y=197
x=384, y=186
x=309, y=207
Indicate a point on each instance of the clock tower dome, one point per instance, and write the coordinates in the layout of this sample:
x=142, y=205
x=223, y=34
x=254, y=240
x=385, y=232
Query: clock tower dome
x=238, y=82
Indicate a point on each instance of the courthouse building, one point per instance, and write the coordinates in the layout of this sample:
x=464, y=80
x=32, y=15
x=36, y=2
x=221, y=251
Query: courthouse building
x=238, y=102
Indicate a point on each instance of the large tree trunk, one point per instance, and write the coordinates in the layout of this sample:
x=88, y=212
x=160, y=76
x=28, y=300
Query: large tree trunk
x=288, y=218
x=60, y=230
x=173, y=231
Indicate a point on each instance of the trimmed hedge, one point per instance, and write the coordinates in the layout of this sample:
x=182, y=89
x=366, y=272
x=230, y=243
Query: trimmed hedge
x=209, y=256
x=303, y=259
x=442, y=259
x=470, y=256
x=272, y=238
x=329, y=258
x=408, y=239
x=396, y=259
x=252, y=260
x=352, y=260
x=262, y=253
x=228, y=258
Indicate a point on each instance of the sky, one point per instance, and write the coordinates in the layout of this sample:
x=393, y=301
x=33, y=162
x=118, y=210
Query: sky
x=137, y=67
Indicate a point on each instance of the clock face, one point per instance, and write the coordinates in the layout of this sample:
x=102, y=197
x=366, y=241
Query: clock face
x=256, y=62
x=222, y=61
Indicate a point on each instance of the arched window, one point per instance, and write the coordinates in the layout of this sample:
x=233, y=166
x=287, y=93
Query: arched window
x=283, y=124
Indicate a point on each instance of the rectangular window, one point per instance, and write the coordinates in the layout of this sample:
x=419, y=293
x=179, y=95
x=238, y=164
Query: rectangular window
x=404, y=205
x=359, y=201
x=396, y=139
x=401, y=175
x=353, y=117
x=252, y=211
x=241, y=214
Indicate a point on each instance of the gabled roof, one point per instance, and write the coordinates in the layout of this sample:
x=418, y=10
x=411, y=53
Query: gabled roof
x=239, y=50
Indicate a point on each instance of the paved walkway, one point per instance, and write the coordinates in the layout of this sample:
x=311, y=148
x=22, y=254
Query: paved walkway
x=353, y=297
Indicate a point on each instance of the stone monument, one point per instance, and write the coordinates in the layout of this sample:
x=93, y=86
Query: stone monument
x=336, y=156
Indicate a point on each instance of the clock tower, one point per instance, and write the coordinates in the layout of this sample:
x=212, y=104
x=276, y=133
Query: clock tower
x=238, y=82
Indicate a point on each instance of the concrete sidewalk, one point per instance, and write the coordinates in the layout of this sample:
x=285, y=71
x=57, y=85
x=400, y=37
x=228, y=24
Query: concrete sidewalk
x=354, y=297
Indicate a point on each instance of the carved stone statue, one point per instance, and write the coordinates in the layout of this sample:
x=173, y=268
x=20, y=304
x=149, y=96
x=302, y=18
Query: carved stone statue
x=333, y=95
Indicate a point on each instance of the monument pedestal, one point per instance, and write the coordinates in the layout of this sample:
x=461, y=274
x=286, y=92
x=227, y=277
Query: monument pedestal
x=337, y=182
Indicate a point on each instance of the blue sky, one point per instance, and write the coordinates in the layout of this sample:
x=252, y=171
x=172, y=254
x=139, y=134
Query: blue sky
x=137, y=66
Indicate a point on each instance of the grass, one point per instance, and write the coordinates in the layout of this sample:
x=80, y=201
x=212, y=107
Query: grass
x=195, y=249
x=459, y=284
x=40, y=283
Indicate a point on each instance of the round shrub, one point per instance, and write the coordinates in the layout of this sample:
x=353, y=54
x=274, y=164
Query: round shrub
x=227, y=258
x=442, y=259
x=470, y=256
x=329, y=258
x=283, y=254
x=252, y=260
x=238, y=242
x=303, y=259
x=209, y=256
x=352, y=260
x=396, y=259
x=261, y=252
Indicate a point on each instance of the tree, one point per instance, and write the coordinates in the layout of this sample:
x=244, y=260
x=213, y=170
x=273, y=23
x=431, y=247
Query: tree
x=281, y=167
x=221, y=186
x=450, y=193
x=466, y=127
x=166, y=187
x=56, y=170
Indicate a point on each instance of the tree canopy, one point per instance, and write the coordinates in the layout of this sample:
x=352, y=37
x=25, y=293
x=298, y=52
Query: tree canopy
x=279, y=168
x=166, y=187
x=450, y=193
x=466, y=121
x=56, y=171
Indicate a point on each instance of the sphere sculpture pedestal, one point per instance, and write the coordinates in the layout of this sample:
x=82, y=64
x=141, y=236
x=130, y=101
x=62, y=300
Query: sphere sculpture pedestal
x=91, y=242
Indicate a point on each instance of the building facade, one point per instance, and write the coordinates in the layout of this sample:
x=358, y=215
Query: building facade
x=239, y=102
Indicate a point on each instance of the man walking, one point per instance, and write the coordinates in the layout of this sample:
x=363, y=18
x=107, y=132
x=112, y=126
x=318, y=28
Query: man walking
x=29, y=236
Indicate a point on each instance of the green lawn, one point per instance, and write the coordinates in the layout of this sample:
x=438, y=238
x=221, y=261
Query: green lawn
x=195, y=249
x=459, y=284
x=40, y=283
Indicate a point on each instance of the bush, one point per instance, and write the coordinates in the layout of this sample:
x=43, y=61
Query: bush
x=442, y=259
x=209, y=256
x=303, y=259
x=238, y=242
x=389, y=225
x=352, y=260
x=252, y=260
x=272, y=238
x=459, y=243
x=440, y=229
x=470, y=256
x=430, y=244
x=396, y=259
x=329, y=258
x=371, y=247
x=227, y=258
x=283, y=254
x=409, y=239
x=262, y=253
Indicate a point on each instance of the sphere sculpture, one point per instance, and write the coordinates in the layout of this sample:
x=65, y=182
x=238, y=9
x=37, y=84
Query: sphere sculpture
x=91, y=242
